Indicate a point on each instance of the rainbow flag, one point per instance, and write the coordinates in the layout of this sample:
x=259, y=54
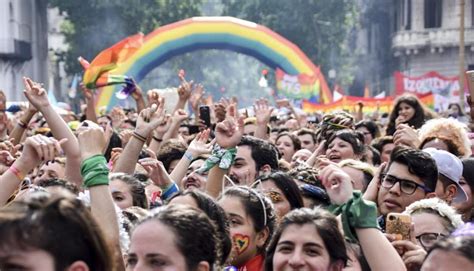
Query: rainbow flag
x=303, y=86
x=98, y=73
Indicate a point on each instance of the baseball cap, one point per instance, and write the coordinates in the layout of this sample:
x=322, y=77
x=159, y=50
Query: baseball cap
x=451, y=167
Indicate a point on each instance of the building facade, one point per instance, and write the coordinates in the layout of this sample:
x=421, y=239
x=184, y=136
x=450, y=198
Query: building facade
x=426, y=36
x=23, y=44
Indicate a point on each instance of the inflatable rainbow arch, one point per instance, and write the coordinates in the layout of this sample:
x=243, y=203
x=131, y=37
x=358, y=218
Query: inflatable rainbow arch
x=225, y=33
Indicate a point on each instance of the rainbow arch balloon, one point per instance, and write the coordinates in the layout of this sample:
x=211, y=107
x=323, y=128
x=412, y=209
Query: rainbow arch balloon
x=225, y=33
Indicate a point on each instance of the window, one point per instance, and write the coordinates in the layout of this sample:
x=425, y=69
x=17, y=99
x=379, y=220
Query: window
x=403, y=15
x=433, y=13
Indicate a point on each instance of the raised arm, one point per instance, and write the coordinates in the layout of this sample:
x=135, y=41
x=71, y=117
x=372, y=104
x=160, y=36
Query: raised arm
x=184, y=92
x=95, y=173
x=147, y=121
x=137, y=95
x=263, y=112
x=360, y=216
x=37, y=96
x=19, y=129
x=197, y=147
x=90, y=103
x=36, y=149
x=228, y=135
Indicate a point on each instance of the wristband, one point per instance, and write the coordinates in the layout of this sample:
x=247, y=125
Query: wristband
x=169, y=191
x=157, y=139
x=17, y=172
x=188, y=156
x=139, y=137
x=22, y=124
x=94, y=171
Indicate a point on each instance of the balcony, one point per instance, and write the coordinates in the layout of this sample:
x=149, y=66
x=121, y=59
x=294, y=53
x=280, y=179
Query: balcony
x=433, y=38
x=14, y=49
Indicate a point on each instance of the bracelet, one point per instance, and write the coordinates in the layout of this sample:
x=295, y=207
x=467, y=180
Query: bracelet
x=188, y=156
x=17, y=172
x=22, y=124
x=94, y=171
x=157, y=139
x=170, y=191
x=139, y=137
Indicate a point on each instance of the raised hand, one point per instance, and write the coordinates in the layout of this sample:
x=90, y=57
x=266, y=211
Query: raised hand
x=92, y=140
x=196, y=96
x=185, y=89
x=38, y=148
x=230, y=131
x=88, y=94
x=137, y=93
x=118, y=116
x=156, y=171
x=199, y=145
x=374, y=185
x=114, y=155
x=263, y=111
x=149, y=119
x=338, y=184
x=406, y=135
x=179, y=116
x=153, y=97
x=35, y=93
x=164, y=126
x=219, y=111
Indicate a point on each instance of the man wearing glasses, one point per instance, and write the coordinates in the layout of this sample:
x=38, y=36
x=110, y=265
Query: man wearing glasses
x=411, y=176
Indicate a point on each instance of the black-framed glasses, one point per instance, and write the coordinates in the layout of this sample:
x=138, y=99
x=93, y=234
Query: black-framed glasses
x=428, y=239
x=406, y=186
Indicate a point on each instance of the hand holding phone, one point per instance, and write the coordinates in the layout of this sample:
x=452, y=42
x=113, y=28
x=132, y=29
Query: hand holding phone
x=399, y=225
x=205, y=115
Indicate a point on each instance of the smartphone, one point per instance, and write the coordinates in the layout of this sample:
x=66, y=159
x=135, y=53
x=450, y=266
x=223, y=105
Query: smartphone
x=193, y=129
x=205, y=115
x=399, y=225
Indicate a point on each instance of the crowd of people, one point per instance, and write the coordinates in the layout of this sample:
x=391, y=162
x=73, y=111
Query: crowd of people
x=147, y=189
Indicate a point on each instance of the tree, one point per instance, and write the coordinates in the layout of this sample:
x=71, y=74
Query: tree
x=321, y=28
x=93, y=25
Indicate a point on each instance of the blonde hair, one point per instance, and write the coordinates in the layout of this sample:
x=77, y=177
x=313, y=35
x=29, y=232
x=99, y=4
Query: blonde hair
x=359, y=165
x=439, y=207
x=448, y=128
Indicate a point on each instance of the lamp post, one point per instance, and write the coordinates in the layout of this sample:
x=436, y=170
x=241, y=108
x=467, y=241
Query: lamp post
x=461, y=53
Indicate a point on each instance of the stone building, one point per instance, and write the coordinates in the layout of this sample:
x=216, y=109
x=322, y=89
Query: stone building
x=426, y=36
x=23, y=44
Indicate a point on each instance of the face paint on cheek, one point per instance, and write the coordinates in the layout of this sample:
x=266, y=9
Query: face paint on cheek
x=241, y=242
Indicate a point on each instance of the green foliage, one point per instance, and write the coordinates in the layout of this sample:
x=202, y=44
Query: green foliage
x=93, y=25
x=319, y=27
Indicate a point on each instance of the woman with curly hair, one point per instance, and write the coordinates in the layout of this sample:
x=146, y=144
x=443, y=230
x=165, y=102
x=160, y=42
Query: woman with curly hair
x=447, y=130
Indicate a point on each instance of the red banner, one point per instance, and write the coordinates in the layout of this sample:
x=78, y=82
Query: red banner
x=429, y=82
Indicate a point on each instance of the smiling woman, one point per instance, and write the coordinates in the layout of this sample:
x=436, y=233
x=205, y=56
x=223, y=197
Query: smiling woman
x=345, y=144
x=307, y=240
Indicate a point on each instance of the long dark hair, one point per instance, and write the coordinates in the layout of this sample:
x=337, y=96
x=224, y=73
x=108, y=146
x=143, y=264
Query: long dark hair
x=288, y=186
x=252, y=201
x=194, y=232
x=217, y=214
x=421, y=113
